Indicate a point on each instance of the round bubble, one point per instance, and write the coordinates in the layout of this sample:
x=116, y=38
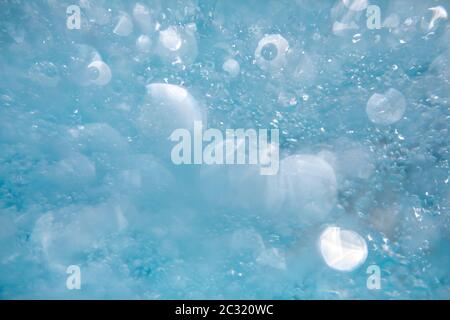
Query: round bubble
x=232, y=67
x=270, y=54
x=387, y=108
x=124, y=25
x=304, y=190
x=342, y=250
x=71, y=173
x=177, y=45
x=356, y=5
x=168, y=107
x=101, y=73
x=144, y=43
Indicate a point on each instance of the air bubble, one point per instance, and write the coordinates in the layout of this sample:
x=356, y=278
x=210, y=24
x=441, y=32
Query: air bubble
x=103, y=73
x=356, y=5
x=269, y=51
x=387, y=108
x=342, y=250
x=177, y=45
x=124, y=26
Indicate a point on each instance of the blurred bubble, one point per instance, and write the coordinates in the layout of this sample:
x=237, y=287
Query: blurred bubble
x=124, y=26
x=142, y=16
x=80, y=58
x=386, y=108
x=177, y=45
x=103, y=75
x=231, y=66
x=168, y=107
x=305, y=190
x=439, y=13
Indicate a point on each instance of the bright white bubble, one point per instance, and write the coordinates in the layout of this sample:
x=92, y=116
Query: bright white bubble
x=343, y=250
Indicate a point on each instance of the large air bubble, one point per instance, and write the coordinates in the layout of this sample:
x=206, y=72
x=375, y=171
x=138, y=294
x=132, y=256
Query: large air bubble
x=387, y=108
x=343, y=250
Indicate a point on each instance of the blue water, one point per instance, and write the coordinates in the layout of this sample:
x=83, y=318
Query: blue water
x=86, y=176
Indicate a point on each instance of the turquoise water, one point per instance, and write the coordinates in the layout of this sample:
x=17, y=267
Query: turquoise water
x=86, y=176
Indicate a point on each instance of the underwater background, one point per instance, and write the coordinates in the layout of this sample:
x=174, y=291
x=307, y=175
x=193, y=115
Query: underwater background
x=359, y=91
